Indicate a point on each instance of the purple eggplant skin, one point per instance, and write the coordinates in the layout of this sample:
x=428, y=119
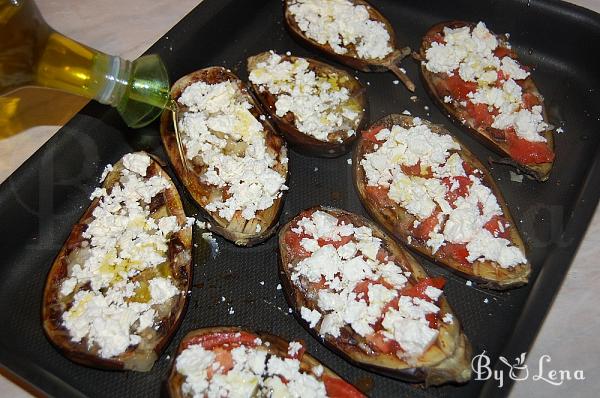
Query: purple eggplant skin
x=447, y=361
x=240, y=231
x=397, y=221
x=389, y=63
x=304, y=143
x=538, y=171
x=180, y=267
x=275, y=345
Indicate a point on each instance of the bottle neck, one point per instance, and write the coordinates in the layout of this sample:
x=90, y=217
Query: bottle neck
x=113, y=75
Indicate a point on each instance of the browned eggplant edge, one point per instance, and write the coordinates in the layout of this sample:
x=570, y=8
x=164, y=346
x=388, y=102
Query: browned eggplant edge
x=541, y=171
x=389, y=218
x=181, y=268
x=278, y=346
x=300, y=141
x=455, y=368
x=190, y=180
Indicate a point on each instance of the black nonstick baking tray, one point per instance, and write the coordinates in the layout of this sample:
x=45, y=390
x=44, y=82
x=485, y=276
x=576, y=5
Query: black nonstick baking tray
x=238, y=286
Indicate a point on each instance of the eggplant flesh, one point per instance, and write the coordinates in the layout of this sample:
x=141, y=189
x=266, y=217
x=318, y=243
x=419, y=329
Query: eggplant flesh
x=446, y=361
x=389, y=63
x=338, y=142
x=239, y=230
x=178, y=266
x=398, y=222
x=459, y=115
x=273, y=345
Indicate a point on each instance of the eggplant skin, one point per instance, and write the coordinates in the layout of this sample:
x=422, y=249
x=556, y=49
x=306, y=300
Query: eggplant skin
x=364, y=65
x=277, y=346
x=397, y=221
x=300, y=141
x=540, y=171
x=447, y=361
x=180, y=264
x=238, y=230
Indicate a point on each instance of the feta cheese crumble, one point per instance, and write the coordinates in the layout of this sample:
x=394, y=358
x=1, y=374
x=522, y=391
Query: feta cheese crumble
x=461, y=220
x=229, y=142
x=339, y=23
x=356, y=284
x=319, y=104
x=247, y=371
x=470, y=53
x=121, y=242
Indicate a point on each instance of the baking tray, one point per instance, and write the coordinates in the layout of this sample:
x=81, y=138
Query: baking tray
x=238, y=286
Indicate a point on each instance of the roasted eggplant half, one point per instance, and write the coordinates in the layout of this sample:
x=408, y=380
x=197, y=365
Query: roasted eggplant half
x=366, y=298
x=227, y=154
x=431, y=193
x=370, y=46
x=487, y=91
x=318, y=109
x=117, y=291
x=253, y=364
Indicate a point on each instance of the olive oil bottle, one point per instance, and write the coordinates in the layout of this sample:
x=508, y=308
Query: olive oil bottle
x=33, y=54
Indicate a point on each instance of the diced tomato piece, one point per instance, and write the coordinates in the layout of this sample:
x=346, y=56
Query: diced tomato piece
x=483, y=117
x=418, y=290
x=339, y=388
x=432, y=319
x=456, y=251
x=530, y=100
x=293, y=240
x=502, y=52
x=363, y=287
x=219, y=339
x=224, y=358
x=464, y=183
x=469, y=169
x=494, y=227
x=527, y=152
x=371, y=133
x=425, y=227
x=379, y=195
x=501, y=77
x=321, y=284
x=334, y=243
x=417, y=171
x=380, y=343
x=458, y=87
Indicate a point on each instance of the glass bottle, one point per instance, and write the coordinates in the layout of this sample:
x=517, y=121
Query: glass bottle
x=33, y=54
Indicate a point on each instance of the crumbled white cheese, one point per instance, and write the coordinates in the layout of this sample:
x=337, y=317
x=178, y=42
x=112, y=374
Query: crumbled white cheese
x=320, y=107
x=464, y=220
x=122, y=240
x=472, y=54
x=219, y=116
x=340, y=23
x=250, y=371
x=343, y=269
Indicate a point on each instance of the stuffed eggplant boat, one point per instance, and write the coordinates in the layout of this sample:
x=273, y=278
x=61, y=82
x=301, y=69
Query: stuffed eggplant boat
x=476, y=78
x=229, y=361
x=117, y=290
x=228, y=156
x=434, y=195
x=369, y=300
x=318, y=108
x=349, y=31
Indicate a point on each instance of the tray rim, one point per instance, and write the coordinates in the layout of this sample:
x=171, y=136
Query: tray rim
x=35, y=380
